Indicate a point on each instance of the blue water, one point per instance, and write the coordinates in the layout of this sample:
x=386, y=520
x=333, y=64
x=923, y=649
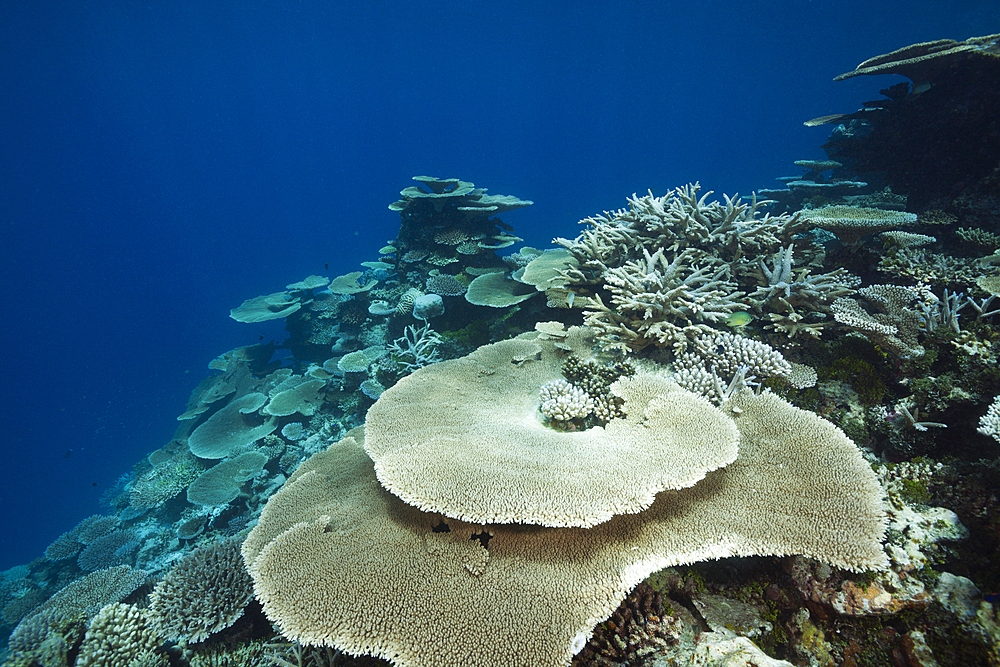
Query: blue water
x=162, y=161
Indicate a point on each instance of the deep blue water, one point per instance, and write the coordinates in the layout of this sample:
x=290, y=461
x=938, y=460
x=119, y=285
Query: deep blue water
x=162, y=161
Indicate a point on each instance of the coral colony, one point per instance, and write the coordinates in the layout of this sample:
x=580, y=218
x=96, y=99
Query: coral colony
x=703, y=427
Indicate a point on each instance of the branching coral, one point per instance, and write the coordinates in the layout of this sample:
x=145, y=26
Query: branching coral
x=790, y=295
x=681, y=219
x=895, y=324
x=989, y=424
x=669, y=268
x=656, y=300
x=416, y=348
x=561, y=402
x=678, y=289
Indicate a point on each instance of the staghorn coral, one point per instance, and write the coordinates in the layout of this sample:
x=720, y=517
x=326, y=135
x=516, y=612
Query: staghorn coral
x=416, y=348
x=660, y=302
x=691, y=374
x=792, y=295
x=205, y=592
x=679, y=220
x=668, y=268
x=678, y=289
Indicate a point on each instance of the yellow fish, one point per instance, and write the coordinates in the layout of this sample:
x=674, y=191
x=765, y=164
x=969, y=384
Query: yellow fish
x=739, y=319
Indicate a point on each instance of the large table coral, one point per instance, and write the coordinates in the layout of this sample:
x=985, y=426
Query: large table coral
x=339, y=560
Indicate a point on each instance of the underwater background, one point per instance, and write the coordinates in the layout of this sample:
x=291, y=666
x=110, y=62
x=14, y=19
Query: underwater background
x=161, y=162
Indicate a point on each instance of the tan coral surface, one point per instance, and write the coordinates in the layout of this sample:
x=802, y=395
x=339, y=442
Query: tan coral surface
x=465, y=438
x=337, y=560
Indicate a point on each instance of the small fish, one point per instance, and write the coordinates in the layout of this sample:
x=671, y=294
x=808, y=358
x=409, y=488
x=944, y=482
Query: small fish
x=326, y=266
x=739, y=319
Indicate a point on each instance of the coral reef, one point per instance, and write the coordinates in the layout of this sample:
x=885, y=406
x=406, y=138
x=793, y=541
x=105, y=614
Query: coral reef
x=934, y=137
x=519, y=488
